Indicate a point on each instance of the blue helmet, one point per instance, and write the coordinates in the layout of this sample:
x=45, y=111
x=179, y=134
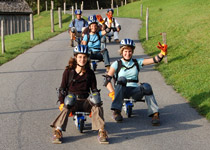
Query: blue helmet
x=81, y=49
x=92, y=19
x=78, y=12
x=127, y=42
x=110, y=10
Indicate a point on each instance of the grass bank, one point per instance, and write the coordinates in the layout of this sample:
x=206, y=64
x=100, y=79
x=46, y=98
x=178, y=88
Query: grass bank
x=18, y=43
x=187, y=24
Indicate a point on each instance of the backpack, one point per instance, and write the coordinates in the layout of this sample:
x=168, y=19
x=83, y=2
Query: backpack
x=83, y=22
x=120, y=65
x=88, y=37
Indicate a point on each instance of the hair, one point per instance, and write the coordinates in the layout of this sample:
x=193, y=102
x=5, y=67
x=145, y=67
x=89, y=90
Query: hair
x=72, y=64
x=124, y=47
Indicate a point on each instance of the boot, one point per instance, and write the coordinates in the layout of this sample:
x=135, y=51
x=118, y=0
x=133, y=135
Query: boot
x=57, y=137
x=117, y=116
x=155, y=119
x=117, y=40
x=102, y=137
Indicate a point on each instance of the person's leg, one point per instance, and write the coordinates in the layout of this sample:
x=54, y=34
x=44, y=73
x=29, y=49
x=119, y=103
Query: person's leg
x=105, y=55
x=116, y=37
x=118, y=99
x=153, y=109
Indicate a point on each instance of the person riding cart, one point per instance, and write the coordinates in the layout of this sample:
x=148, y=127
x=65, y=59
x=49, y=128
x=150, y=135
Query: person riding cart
x=76, y=27
x=78, y=92
x=126, y=72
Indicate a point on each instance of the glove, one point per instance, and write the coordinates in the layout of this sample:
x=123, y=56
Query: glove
x=109, y=16
x=111, y=95
x=100, y=19
x=61, y=107
x=163, y=48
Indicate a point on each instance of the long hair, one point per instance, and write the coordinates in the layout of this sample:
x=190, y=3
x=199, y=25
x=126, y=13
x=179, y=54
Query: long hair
x=72, y=64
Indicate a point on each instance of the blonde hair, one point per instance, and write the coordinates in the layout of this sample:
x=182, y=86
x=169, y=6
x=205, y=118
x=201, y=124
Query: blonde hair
x=124, y=47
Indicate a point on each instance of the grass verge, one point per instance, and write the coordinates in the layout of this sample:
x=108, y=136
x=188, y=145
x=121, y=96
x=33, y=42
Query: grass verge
x=18, y=43
x=187, y=25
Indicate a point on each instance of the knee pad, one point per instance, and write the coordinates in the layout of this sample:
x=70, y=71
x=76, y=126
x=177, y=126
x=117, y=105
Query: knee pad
x=69, y=100
x=95, y=98
x=122, y=81
x=146, y=88
x=73, y=29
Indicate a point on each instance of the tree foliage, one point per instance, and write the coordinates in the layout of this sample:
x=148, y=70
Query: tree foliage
x=88, y=4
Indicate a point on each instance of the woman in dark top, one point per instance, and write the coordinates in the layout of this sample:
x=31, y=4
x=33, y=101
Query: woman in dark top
x=77, y=83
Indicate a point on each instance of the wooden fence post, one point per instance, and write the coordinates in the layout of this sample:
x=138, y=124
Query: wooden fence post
x=52, y=20
x=147, y=24
x=141, y=10
x=2, y=37
x=46, y=5
x=31, y=26
x=59, y=17
x=117, y=11
x=164, y=42
x=82, y=5
x=125, y=2
x=112, y=4
x=64, y=8
x=72, y=12
x=38, y=7
x=97, y=5
x=52, y=4
x=121, y=3
x=75, y=6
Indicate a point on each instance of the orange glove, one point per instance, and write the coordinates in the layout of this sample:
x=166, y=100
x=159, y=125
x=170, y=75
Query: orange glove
x=111, y=95
x=61, y=107
x=163, y=48
x=100, y=19
x=109, y=16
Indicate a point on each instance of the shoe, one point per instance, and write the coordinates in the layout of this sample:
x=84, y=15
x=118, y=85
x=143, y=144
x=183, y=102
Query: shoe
x=57, y=137
x=102, y=137
x=107, y=69
x=155, y=119
x=117, y=40
x=72, y=43
x=117, y=116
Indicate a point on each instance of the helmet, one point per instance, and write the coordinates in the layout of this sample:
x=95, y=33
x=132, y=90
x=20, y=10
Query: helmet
x=78, y=12
x=92, y=19
x=127, y=42
x=81, y=49
x=110, y=10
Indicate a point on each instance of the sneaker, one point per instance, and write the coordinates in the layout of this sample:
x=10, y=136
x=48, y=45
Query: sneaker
x=102, y=137
x=72, y=43
x=155, y=119
x=57, y=137
x=117, y=40
x=117, y=116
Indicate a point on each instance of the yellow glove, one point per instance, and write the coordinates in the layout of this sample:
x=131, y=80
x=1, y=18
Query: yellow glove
x=163, y=48
x=61, y=107
x=111, y=95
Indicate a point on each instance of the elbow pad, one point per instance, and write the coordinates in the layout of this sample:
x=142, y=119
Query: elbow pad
x=107, y=79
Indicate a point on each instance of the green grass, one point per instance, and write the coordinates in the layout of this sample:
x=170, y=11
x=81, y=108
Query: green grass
x=187, y=24
x=18, y=43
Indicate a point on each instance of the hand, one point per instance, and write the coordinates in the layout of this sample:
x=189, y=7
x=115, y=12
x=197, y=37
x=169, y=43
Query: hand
x=100, y=19
x=109, y=16
x=163, y=48
x=111, y=95
x=61, y=106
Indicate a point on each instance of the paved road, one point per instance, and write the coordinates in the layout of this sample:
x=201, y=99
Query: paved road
x=28, y=105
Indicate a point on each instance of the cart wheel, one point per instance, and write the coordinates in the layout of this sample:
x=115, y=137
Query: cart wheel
x=81, y=125
x=129, y=111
